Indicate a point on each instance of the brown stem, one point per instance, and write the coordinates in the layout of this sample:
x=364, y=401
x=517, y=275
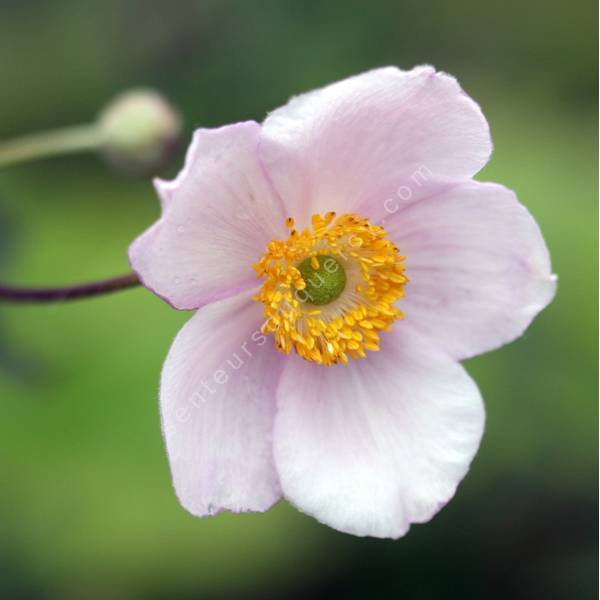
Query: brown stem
x=56, y=294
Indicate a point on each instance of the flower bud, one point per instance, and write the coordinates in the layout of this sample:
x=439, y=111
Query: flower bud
x=140, y=131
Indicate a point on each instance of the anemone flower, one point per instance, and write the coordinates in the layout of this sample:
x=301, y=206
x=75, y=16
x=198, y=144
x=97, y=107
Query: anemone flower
x=342, y=262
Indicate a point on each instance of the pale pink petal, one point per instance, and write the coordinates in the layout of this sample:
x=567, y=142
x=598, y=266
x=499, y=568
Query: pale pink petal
x=478, y=266
x=371, y=447
x=218, y=216
x=217, y=399
x=358, y=141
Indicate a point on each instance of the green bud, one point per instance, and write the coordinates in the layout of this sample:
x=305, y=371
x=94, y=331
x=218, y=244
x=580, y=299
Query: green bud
x=139, y=131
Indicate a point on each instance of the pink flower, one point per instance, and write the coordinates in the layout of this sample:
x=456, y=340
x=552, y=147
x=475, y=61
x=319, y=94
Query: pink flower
x=333, y=378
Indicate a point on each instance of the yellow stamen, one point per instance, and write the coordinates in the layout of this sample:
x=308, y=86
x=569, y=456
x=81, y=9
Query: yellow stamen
x=349, y=324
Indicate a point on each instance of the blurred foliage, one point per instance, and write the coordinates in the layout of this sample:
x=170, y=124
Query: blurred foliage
x=86, y=506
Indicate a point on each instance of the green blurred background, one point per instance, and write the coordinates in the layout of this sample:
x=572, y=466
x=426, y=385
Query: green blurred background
x=86, y=505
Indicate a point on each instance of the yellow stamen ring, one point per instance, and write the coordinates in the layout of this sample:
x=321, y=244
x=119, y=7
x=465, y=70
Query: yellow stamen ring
x=348, y=317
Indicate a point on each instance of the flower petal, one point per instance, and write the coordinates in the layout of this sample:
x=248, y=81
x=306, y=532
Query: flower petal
x=217, y=400
x=218, y=216
x=362, y=138
x=478, y=267
x=371, y=447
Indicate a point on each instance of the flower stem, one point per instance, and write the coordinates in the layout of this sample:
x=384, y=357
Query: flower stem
x=54, y=294
x=50, y=143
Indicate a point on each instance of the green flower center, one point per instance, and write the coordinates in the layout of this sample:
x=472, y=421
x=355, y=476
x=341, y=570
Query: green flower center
x=324, y=277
